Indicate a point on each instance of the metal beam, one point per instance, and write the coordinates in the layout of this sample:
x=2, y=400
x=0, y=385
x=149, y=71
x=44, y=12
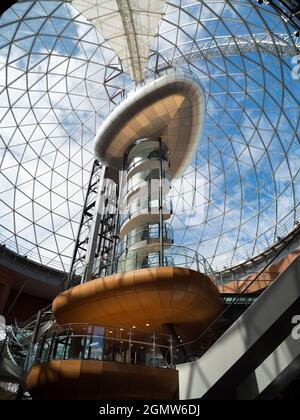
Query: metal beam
x=78, y=264
x=272, y=43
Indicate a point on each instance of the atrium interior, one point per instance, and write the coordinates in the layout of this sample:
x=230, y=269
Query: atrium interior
x=149, y=200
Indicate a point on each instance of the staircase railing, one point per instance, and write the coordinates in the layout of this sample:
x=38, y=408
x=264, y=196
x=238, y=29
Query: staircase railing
x=20, y=338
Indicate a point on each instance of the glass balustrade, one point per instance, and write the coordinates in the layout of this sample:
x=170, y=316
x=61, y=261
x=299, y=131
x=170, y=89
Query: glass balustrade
x=149, y=234
x=93, y=342
x=173, y=256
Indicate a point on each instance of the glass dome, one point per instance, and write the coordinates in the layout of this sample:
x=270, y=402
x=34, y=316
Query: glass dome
x=60, y=79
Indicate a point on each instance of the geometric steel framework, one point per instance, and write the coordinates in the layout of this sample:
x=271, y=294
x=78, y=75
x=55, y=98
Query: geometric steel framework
x=95, y=245
x=78, y=264
x=248, y=153
x=289, y=10
x=59, y=80
x=233, y=45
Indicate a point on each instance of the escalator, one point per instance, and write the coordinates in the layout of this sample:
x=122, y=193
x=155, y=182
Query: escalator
x=10, y=371
x=274, y=374
x=16, y=351
x=235, y=366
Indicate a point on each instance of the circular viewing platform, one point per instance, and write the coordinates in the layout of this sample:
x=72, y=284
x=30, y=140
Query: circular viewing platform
x=81, y=361
x=159, y=297
x=171, y=108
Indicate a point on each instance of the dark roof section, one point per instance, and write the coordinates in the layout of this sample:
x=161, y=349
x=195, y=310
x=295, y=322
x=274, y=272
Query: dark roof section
x=6, y=5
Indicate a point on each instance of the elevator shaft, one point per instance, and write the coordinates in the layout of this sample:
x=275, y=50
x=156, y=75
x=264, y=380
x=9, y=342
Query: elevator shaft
x=144, y=233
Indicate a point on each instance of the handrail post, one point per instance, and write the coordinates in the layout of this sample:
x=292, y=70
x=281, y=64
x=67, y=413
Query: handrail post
x=39, y=356
x=197, y=264
x=52, y=345
x=33, y=340
x=161, y=219
x=154, y=350
x=129, y=348
x=3, y=345
x=67, y=340
x=171, y=353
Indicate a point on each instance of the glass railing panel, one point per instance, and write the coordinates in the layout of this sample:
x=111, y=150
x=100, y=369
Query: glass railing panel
x=86, y=342
x=173, y=256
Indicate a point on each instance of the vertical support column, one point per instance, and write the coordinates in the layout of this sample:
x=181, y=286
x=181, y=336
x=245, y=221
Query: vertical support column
x=6, y=281
x=154, y=349
x=171, y=353
x=105, y=214
x=117, y=224
x=161, y=219
x=129, y=348
x=28, y=361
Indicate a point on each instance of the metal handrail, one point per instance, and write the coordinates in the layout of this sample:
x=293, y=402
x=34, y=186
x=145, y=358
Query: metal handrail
x=25, y=324
x=143, y=157
x=264, y=241
x=143, y=205
x=32, y=256
x=149, y=232
x=219, y=267
x=174, y=256
x=94, y=342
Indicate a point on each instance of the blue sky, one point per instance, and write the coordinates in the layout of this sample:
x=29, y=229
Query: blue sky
x=247, y=165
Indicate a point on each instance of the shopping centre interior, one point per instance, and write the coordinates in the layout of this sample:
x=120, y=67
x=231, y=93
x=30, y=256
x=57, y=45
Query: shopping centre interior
x=149, y=200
